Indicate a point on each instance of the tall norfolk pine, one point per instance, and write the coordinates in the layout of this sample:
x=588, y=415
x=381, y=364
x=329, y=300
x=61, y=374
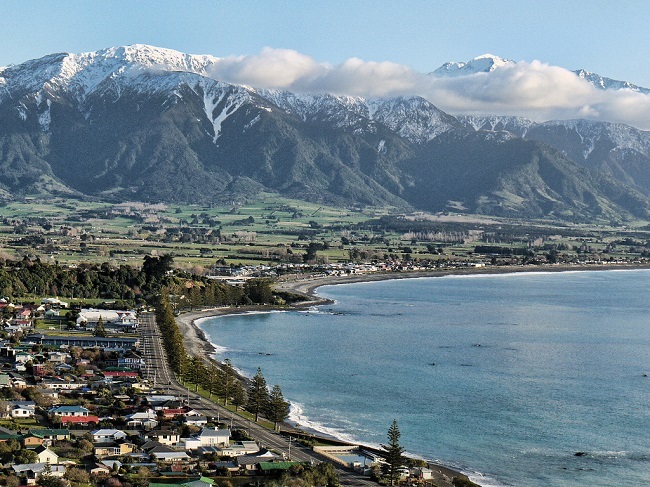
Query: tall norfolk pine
x=258, y=394
x=393, y=453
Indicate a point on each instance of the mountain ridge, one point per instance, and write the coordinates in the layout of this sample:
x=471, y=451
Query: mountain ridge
x=148, y=123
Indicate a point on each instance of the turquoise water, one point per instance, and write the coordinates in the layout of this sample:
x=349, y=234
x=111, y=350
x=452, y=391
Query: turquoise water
x=529, y=369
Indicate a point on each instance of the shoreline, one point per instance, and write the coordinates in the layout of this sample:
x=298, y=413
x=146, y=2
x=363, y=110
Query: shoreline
x=307, y=285
x=197, y=343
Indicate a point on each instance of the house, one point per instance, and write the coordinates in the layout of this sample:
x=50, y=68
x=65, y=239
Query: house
x=170, y=457
x=130, y=360
x=17, y=381
x=422, y=473
x=107, y=435
x=165, y=437
x=18, y=409
x=51, y=435
x=54, y=303
x=195, y=420
x=172, y=413
x=105, y=449
x=116, y=343
x=22, y=411
x=48, y=393
x=69, y=411
x=79, y=420
x=32, y=471
x=59, y=384
x=214, y=437
x=31, y=440
x=59, y=357
x=158, y=401
x=240, y=448
x=99, y=468
x=120, y=319
x=144, y=419
x=23, y=358
x=189, y=444
x=249, y=463
x=45, y=455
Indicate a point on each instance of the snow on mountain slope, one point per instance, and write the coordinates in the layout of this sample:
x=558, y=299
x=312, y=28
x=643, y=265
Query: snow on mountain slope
x=517, y=126
x=590, y=134
x=489, y=62
x=413, y=118
x=80, y=74
x=608, y=83
x=145, y=69
x=481, y=64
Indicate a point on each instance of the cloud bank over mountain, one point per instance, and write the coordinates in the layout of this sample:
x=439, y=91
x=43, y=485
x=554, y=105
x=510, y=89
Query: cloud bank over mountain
x=533, y=90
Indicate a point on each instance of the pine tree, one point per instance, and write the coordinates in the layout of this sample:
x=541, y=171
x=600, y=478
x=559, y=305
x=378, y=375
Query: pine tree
x=278, y=408
x=100, y=330
x=393, y=453
x=239, y=396
x=258, y=395
x=228, y=379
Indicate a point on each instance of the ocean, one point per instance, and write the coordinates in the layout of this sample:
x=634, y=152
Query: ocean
x=505, y=377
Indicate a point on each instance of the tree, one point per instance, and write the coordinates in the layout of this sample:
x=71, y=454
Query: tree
x=48, y=480
x=77, y=477
x=393, y=453
x=239, y=396
x=12, y=481
x=277, y=409
x=25, y=456
x=228, y=379
x=100, y=330
x=258, y=394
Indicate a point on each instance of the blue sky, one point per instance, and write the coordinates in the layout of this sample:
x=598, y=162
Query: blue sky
x=607, y=37
x=374, y=48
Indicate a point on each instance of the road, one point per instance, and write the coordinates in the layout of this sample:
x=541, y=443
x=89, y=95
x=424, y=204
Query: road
x=158, y=373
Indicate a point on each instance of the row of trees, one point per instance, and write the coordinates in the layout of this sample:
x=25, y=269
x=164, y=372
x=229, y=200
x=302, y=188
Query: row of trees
x=222, y=382
x=126, y=283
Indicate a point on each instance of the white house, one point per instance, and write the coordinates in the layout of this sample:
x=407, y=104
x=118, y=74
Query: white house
x=240, y=448
x=33, y=471
x=170, y=456
x=144, y=419
x=195, y=420
x=89, y=317
x=23, y=358
x=45, y=455
x=107, y=435
x=54, y=302
x=214, y=437
x=189, y=444
x=22, y=411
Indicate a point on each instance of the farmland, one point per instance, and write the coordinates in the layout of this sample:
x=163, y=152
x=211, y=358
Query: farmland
x=273, y=230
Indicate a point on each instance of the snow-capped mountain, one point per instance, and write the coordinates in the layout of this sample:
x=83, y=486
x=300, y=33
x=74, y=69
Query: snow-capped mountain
x=618, y=150
x=609, y=83
x=82, y=74
x=489, y=62
x=413, y=117
x=153, y=124
x=481, y=64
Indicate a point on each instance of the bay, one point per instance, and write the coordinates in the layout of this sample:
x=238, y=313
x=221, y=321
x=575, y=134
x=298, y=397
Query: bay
x=529, y=369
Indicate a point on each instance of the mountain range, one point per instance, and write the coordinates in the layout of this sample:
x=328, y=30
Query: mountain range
x=145, y=123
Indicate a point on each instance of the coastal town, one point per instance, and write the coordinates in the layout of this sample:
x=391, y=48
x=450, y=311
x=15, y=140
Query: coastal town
x=89, y=398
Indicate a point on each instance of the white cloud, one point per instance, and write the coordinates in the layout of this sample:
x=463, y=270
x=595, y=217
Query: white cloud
x=533, y=90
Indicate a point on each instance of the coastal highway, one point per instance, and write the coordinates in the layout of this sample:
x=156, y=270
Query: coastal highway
x=158, y=373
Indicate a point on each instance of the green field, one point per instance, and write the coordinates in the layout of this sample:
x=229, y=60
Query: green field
x=273, y=230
